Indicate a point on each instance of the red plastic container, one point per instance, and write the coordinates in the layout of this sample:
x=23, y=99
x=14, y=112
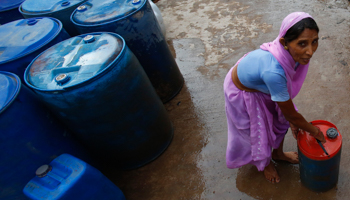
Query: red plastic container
x=319, y=171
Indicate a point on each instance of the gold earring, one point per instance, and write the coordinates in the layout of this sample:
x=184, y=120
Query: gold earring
x=285, y=47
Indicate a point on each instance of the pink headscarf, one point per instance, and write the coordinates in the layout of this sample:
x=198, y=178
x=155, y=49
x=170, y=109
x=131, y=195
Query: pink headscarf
x=295, y=78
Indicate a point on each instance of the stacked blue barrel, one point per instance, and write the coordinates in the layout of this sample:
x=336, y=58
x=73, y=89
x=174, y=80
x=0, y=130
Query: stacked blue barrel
x=22, y=40
x=91, y=87
x=58, y=9
x=97, y=87
x=135, y=21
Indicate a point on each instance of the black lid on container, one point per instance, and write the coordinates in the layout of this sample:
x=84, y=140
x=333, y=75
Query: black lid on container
x=43, y=170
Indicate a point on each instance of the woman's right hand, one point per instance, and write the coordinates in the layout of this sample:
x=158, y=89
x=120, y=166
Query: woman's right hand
x=319, y=135
x=295, y=118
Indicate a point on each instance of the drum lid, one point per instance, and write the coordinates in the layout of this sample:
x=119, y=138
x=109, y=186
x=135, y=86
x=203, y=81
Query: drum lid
x=311, y=149
x=74, y=61
x=101, y=11
x=9, y=88
x=48, y=6
x=24, y=36
x=9, y=4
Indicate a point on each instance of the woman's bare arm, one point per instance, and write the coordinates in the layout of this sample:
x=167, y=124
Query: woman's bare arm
x=298, y=120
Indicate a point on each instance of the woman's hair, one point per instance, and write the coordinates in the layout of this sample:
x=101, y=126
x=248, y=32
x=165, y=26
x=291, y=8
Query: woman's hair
x=294, y=32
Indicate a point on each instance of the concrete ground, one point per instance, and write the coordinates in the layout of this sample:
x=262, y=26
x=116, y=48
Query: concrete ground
x=207, y=37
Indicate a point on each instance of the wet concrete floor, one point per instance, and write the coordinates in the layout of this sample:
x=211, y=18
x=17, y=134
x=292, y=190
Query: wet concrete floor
x=207, y=37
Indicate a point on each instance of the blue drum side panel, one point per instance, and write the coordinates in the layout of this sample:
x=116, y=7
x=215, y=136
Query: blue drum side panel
x=9, y=89
x=29, y=136
x=10, y=16
x=319, y=176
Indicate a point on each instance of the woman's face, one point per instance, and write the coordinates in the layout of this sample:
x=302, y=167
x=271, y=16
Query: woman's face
x=302, y=48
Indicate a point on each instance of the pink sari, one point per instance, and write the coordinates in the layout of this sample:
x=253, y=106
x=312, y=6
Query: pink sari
x=255, y=123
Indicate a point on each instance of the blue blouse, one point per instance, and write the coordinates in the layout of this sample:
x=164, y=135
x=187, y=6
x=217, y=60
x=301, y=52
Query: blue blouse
x=261, y=71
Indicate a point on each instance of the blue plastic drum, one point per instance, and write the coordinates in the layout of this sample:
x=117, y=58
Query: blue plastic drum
x=135, y=21
x=9, y=11
x=29, y=136
x=68, y=177
x=59, y=9
x=97, y=87
x=22, y=40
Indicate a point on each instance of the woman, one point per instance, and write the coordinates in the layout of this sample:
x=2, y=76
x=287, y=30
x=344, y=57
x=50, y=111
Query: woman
x=258, y=96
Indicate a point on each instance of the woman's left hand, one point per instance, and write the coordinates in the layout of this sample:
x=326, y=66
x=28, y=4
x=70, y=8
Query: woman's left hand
x=294, y=129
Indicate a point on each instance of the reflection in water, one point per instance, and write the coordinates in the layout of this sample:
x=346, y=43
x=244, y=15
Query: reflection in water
x=254, y=184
